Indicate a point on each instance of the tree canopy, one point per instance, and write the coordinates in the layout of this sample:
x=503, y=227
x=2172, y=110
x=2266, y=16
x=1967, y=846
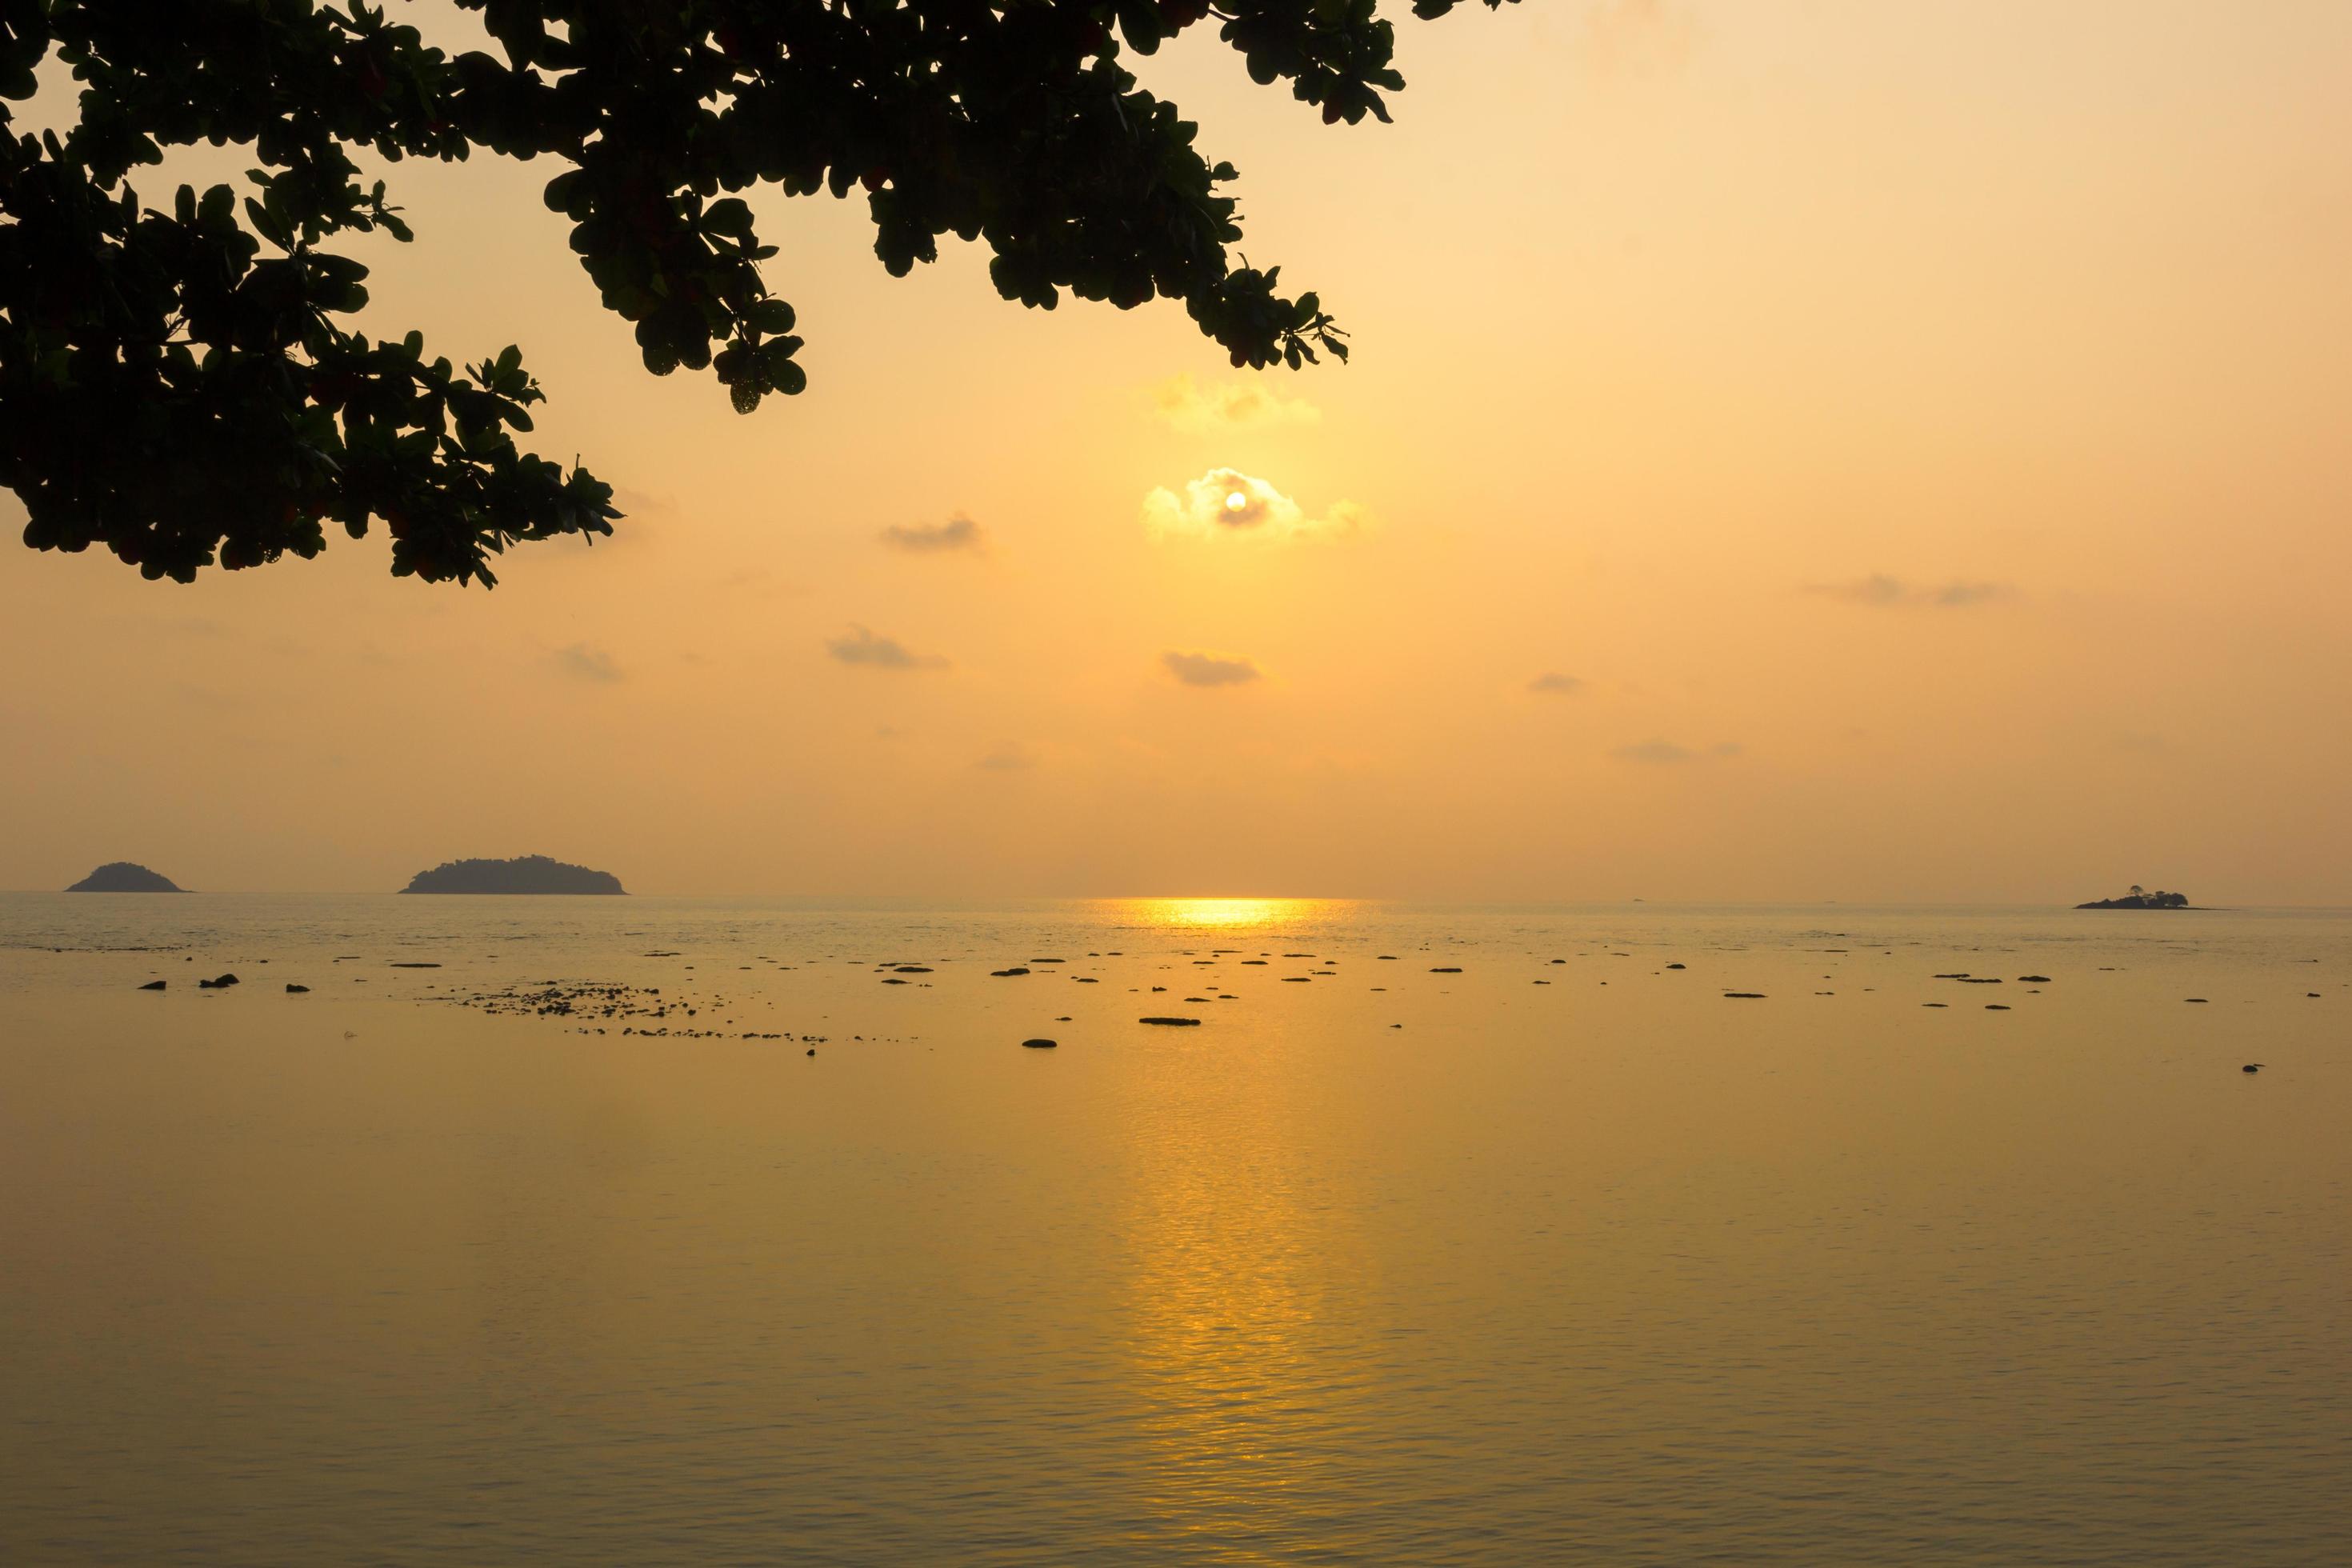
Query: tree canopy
x=185, y=382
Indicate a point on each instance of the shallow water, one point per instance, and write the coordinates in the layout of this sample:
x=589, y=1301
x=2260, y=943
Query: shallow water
x=1610, y=1267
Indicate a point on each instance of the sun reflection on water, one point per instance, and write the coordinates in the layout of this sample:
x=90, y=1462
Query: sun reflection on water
x=1225, y=914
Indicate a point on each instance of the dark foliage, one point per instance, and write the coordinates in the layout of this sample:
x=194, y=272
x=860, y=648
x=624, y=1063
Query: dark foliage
x=180, y=383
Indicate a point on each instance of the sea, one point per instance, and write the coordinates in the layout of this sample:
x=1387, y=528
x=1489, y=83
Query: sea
x=642, y=1230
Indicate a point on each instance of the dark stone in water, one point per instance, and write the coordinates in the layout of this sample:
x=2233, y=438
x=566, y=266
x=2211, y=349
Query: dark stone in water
x=1295, y=980
x=1039, y=1045
x=1388, y=958
x=1996, y=1007
x=910, y=969
x=2034, y=980
x=1000, y=973
x=1669, y=966
x=223, y=984
x=1173, y=1022
x=1449, y=969
x=1743, y=997
x=158, y=986
x=894, y=980
x=416, y=966
x=2192, y=998
x=296, y=990
x=811, y=1050
x=1934, y=1004
x=2251, y=1067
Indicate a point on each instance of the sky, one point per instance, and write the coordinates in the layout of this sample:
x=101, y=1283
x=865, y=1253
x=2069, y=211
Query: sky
x=1805, y=450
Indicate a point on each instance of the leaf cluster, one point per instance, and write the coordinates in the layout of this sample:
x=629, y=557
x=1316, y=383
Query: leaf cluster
x=185, y=385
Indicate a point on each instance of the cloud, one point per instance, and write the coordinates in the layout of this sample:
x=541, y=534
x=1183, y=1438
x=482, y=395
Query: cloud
x=1208, y=669
x=1880, y=590
x=1666, y=753
x=861, y=646
x=1552, y=683
x=1227, y=405
x=1638, y=38
x=1225, y=503
x=958, y=534
x=1008, y=759
x=587, y=663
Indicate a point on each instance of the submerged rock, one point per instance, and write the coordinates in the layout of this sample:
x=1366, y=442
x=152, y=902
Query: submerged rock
x=1039, y=1045
x=297, y=990
x=153, y=985
x=1173, y=1022
x=222, y=984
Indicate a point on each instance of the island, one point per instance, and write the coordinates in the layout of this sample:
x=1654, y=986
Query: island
x=2139, y=899
x=123, y=877
x=525, y=874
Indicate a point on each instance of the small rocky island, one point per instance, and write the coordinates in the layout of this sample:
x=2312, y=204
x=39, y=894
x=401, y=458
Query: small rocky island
x=123, y=877
x=524, y=874
x=2140, y=898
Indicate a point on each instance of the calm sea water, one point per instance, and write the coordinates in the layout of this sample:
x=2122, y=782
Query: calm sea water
x=1566, y=1256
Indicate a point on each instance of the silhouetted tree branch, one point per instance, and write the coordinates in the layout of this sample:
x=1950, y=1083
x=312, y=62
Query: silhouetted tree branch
x=180, y=385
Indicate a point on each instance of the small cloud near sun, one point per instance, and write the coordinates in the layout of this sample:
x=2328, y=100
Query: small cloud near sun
x=1666, y=753
x=587, y=663
x=1552, y=683
x=959, y=534
x=1208, y=669
x=1188, y=405
x=1881, y=590
x=861, y=646
x=1225, y=503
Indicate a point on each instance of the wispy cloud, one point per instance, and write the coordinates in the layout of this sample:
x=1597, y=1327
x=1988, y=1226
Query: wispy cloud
x=1188, y=405
x=1008, y=759
x=587, y=663
x=958, y=534
x=1552, y=683
x=1208, y=669
x=1892, y=592
x=1666, y=753
x=861, y=646
x=1638, y=38
x=1225, y=503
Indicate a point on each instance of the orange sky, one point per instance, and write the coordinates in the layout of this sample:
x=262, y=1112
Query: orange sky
x=1917, y=439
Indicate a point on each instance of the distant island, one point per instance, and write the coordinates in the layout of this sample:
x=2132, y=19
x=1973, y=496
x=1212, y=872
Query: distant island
x=123, y=877
x=2139, y=899
x=527, y=874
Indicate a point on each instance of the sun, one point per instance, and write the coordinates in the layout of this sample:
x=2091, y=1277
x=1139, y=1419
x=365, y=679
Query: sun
x=1236, y=501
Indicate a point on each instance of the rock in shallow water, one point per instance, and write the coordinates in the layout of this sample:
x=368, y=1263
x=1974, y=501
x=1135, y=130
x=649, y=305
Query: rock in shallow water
x=153, y=985
x=1039, y=1045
